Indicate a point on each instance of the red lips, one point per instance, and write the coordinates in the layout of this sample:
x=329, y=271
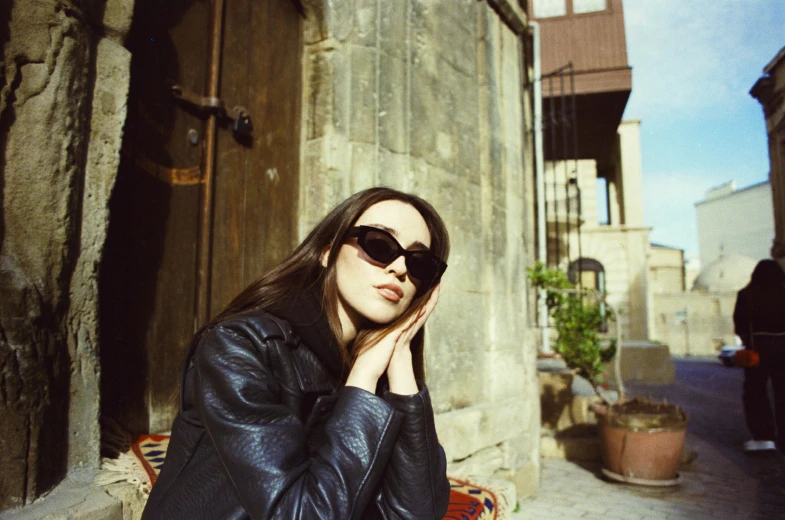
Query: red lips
x=390, y=291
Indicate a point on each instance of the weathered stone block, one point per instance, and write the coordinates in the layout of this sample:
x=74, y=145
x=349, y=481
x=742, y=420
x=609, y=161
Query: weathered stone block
x=393, y=168
x=507, y=369
x=427, y=115
x=393, y=90
x=364, y=114
x=393, y=29
x=117, y=19
x=366, y=21
x=455, y=44
x=327, y=20
x=454, y=375
x=341, y=88
x=364, y=170
x=467, y=431
x=317, y=92
x=484, y=462
x=324, y=184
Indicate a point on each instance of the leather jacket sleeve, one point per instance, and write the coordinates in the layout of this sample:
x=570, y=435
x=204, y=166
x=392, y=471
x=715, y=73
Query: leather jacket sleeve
x=415, y=483
x=262, y=444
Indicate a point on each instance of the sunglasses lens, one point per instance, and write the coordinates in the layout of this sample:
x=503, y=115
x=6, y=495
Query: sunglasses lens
x=383, y=248
x=422, y=266
x=380, y=247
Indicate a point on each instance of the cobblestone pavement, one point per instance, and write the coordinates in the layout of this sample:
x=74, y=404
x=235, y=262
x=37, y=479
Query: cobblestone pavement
x=721, y=483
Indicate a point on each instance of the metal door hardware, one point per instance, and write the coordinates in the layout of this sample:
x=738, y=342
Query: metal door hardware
x=241, y=119
x=241, y=124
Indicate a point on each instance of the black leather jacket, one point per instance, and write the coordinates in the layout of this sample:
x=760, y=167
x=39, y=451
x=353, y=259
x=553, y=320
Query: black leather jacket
x=264, y=431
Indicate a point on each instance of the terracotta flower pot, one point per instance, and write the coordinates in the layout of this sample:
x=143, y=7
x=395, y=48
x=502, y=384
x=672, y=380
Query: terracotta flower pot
x=642, y=443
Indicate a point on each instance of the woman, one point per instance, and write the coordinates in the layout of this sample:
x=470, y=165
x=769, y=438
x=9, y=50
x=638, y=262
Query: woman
x=759, y=320
x=304, y=399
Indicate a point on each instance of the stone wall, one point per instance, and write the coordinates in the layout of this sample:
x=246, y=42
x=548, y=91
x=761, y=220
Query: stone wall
x=666, y=270
x=63, y=89
x=623, y=252
x=693, y=323
x=426, y=96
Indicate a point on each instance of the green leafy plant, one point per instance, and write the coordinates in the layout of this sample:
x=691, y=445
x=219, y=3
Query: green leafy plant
x=578, y=317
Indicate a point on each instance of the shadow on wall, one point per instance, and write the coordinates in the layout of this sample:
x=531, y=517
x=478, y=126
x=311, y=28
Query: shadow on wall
x=140, y=208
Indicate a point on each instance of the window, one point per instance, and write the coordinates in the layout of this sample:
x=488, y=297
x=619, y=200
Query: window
x=592, y=277
x=591, y=272
x=549, y=8
x=603, y=209
x=588, y=6
x=552, y=8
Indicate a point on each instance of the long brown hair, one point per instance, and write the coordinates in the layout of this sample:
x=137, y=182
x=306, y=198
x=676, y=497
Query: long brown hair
x=303, y=270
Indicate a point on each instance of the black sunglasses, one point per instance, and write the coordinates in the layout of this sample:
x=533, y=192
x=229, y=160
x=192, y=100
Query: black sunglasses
x=382, y=247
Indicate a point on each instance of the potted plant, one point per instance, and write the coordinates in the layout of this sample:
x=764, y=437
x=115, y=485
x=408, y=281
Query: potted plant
x=641, y=441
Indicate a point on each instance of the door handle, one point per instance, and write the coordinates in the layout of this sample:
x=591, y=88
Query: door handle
x=238, y=115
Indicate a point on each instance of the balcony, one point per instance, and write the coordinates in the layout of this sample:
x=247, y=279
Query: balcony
x=586, y=77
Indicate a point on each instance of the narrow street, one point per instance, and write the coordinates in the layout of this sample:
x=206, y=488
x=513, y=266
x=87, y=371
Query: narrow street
x=721, y=482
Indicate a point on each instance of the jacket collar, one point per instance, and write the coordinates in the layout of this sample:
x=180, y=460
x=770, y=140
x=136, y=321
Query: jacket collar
x=304, y=313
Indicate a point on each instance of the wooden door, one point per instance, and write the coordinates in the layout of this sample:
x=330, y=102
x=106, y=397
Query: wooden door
x=148, y=284
x=256, y=186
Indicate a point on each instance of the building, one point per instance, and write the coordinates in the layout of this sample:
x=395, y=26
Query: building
x=151, y=170
x=699, y=321
x=769, y=90
x=735, y=222
x=735, y=228
x=591, y=153
x=735, y=231
x=667, y=272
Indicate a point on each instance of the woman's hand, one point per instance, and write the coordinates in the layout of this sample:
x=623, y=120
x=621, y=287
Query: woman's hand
x=392, y=354
x=400, y=370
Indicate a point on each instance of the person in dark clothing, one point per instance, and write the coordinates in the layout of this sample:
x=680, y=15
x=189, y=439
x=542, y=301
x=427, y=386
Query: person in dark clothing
x=305, y=397
x=759, y=320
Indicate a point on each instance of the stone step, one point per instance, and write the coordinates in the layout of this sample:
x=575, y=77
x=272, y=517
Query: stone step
x=75, y=498
x=565, y=401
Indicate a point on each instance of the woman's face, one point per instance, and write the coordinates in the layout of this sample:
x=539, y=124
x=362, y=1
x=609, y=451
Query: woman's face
x=369, y=290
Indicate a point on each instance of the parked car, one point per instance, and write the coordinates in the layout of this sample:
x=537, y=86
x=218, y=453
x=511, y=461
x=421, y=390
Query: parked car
x=727, y=354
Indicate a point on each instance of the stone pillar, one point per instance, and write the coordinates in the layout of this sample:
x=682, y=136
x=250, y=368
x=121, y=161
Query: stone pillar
x=62, y=107
x=631, y=171
x=614, y=208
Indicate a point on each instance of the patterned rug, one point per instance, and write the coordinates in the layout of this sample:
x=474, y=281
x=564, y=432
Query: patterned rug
x=141, y=464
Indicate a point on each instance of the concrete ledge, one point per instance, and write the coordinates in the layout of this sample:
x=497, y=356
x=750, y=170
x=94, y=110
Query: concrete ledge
x=75, y=498
x=644, y=362
x=465, y=432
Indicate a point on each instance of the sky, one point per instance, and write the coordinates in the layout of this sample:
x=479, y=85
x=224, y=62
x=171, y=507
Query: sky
x=694, y=63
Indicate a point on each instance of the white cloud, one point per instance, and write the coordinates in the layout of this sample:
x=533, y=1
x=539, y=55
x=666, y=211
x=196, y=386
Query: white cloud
x=688, y=56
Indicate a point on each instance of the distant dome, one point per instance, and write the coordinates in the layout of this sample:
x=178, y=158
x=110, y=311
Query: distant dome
x=727, y=273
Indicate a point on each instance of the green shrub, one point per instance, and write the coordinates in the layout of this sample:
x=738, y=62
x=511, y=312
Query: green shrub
x=578, y=317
